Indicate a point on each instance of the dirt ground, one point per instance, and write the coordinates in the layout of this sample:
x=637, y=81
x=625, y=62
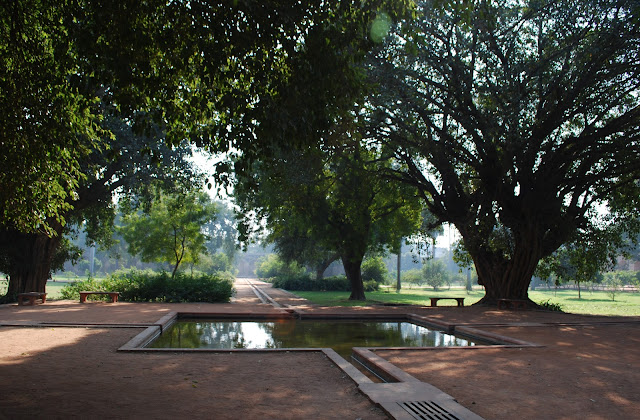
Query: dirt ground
x=587, y=367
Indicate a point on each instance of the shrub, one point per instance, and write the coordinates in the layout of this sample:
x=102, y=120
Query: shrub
x=374, y=269
x=148, y=286
x=271, y=266
x=72, y=290
x=303, y=282
x=371, y=286
x=551, y=306
x=413, y=276
x=328, y=284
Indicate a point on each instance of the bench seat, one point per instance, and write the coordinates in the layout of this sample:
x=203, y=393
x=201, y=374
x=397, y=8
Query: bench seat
x=31, y=297
x=112, y=295
x=434, y=300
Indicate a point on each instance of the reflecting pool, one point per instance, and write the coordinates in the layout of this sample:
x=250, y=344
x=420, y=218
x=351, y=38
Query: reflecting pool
x=339, y=335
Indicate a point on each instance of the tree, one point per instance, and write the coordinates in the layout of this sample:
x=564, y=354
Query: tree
x=332, y=197
x=435, y=273
x=126, y=168
x=514, y=120
x=46, y=123
x=171, y=231
x=236, y=76
x=223, y=232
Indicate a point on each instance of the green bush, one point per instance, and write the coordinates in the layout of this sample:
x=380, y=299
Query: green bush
x=271, y=266
x=371, y=286
x=413, y=276
x=551, y=306
x=303, y=282
x=148, y=286
x=374, y=269
x=334, y=284
x=328, y=284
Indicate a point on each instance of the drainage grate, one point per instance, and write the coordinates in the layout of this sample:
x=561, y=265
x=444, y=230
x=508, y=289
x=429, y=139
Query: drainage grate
x=427, y=410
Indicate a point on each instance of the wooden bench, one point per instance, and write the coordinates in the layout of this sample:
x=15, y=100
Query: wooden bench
x=434, y=300
x=512, y=304
x=112, y=295
x=31, y=297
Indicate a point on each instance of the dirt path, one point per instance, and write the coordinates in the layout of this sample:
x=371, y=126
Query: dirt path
x=587, y=369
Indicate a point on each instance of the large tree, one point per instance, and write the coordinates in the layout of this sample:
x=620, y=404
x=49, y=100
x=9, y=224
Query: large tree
x=172, y=230
x=128, y=169
x=332, y=198
x=516, y=119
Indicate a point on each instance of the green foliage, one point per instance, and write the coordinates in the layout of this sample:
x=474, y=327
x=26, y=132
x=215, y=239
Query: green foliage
x=515, y=123
x=374, y=269
x=327, y=201
x=148, y=286
x=214, y=263
x=327, y=284
x=47, y=124
x=435, y=273
x=283, y=72
x=613, y=284
x=413, y=277
x=623, y=277
x=271, y=266
x=172, y=229
x=551, y=306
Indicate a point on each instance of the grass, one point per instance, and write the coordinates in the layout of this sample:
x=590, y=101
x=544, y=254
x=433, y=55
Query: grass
x=592, y=303
x=53, y=288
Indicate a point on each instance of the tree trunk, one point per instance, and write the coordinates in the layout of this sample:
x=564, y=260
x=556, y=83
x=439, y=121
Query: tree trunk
x=398, y=278
x=31, y=256
x=324, y=264
x=507, y=278
x=352, y=265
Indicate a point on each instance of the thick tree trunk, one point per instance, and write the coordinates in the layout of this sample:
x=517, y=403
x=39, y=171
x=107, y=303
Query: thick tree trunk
x=31, y=256
x=505, y=278
x=352, y=265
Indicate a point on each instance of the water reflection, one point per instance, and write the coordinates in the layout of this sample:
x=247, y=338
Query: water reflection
x=339, y=335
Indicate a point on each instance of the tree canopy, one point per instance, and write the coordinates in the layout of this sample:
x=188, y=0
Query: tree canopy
x=329, y=201
x=225, y=75
x=515, y=120
x=172, y=229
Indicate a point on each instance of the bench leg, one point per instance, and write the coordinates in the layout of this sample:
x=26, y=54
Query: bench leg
x=83, y=298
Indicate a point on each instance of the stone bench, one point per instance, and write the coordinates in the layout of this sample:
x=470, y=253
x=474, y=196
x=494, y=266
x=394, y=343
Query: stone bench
x=513, y=304
x=434, y=300
x=31, y=297
x=112, y=295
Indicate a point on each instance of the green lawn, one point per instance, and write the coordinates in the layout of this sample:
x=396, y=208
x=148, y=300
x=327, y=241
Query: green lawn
x=595, y=303
x=53, y=287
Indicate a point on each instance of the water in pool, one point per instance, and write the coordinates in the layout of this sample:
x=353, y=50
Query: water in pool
x=338, y=335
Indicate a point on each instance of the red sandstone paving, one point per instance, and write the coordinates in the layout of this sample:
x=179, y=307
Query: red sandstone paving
x=588, y=367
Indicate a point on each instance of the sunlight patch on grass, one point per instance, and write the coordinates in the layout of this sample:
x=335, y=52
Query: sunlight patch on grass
x=590, y=303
